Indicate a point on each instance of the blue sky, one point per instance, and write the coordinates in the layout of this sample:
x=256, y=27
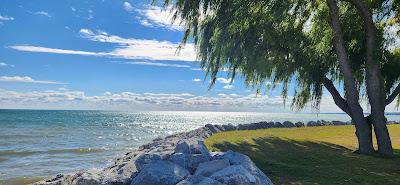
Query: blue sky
x=109, y=54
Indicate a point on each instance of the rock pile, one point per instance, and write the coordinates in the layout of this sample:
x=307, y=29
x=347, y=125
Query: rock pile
x=182, y=159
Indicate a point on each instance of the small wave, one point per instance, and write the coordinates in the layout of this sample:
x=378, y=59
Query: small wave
x=20, y=180
x=56, y=151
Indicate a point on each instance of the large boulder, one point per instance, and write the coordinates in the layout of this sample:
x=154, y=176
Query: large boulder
x=199, y=148
x=146, y=159
x=299, y=124
x=236, y=158
x=189, y=161
x=235, y=174
x=160, y=172
x=199, y=180
x=278, y=125
x=339, y=123
x=312, y=124
x=182, y=147
x=208, y=168
x=288, y=124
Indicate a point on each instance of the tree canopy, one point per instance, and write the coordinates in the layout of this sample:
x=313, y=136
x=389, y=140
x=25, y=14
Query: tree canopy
x=280, y=41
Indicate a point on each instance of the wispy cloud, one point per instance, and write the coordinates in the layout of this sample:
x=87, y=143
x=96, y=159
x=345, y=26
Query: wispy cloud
x=158, y=64
x=25, y=79
x=224, y=80
x=128, y=7
x=6, y=18
x=196, y=80
x=2, y=64
x=127, y=48
x=154, y=16
x=228, y=87
x=43, y=13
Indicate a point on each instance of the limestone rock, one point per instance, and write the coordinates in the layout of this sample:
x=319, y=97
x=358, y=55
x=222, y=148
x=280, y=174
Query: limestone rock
x=235, y=174
x=160, y=172
x=199, y=180
x=208, y=168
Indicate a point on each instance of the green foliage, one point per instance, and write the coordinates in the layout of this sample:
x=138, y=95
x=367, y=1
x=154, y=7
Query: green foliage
x=283, y=40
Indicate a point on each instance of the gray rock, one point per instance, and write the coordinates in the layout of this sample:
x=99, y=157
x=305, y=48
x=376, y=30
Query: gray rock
x=189, y=161
x=160, y=172
x=229, y=127
x=236, y=158
x=235, y=174
x=312, y=124
x=299, y=124
x=182, y=147
x=212, y=128
x=199, y=148
x=288, y=124
x=208, y=168
x=278, y=125
x=339, y=123
x=146, y=159
x=199, y=180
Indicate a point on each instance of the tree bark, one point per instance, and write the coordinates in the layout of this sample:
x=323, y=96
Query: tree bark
x=363, y=130
x=374, y=82
x=394, y=94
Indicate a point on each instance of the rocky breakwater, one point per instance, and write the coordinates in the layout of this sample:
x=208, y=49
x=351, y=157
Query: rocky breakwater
x=183, y=159
x=180, y=159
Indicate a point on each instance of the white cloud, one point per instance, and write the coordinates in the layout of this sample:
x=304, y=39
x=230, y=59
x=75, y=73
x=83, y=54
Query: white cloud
x=224, y=80
x=39, y=49
x=126, y=100
x=128, y=48
x=158, y=64
x=160, y=17
x=6, y=18
x=2, y=64
x=196, y=80
x=128, y=7
x=43, y=13
x=228, y=87
x=25, y=79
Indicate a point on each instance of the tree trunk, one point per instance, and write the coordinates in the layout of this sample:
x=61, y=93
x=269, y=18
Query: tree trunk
x=363, y=130
x=374, y=82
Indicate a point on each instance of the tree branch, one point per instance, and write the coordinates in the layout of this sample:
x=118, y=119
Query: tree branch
x=393, y=96
x=339, y=100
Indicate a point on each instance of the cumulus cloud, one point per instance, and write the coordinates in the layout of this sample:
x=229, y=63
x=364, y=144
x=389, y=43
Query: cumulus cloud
x=127, y=48
x=196, y=80
x=154, y=16
x=25, y=79
x=128, y=7
x=153, y=101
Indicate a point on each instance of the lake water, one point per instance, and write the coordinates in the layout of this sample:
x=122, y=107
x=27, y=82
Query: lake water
x=39, y=143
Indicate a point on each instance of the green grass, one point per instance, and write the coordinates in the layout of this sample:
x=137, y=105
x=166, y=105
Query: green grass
x=312, y=155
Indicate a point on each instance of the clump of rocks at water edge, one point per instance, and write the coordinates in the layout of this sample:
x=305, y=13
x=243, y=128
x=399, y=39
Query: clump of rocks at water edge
x=183, y=159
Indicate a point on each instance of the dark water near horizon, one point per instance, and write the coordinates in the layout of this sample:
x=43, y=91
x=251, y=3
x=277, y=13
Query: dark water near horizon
x=40, y=143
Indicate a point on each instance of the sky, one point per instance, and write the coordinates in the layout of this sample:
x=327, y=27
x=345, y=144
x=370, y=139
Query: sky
x=112, y=55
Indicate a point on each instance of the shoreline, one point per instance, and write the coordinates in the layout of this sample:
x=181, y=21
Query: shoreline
x=126, y=168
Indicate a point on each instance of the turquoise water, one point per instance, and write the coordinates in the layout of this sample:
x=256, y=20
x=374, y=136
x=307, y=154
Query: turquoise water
x=39, y=143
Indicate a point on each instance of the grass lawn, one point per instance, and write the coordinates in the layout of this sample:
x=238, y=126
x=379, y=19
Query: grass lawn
x=312, y=155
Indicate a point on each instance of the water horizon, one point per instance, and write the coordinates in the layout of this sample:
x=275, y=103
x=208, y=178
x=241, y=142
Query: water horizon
x=36, y=144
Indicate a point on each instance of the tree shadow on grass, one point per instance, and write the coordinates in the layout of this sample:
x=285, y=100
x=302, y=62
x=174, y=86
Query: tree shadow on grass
x=288, y=161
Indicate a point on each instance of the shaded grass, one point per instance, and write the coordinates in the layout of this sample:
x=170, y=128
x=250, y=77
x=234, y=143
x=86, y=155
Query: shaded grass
x=312, y=155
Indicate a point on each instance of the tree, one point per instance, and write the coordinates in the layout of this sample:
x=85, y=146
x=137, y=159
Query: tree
x=318, y=43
